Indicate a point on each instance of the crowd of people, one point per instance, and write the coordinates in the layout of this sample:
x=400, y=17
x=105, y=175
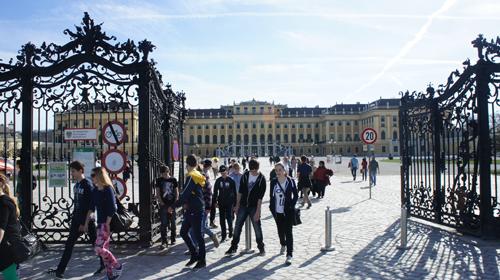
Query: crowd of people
x=237, y=195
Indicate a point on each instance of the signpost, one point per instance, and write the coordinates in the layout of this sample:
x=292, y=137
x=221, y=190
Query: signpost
x=58, y=174
x=86, y=156
x=369, y=137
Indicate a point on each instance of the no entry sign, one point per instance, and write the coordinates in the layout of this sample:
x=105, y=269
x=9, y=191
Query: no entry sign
x=369, y=136
x=114, y=161
x=113, y=133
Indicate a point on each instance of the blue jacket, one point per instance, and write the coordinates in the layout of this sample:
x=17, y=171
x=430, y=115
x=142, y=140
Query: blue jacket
x=291, y=197
x=192, y=193
x=82, y=199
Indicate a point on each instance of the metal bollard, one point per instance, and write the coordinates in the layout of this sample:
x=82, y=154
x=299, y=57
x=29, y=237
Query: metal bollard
x=328, y=231
x=248, y=236
x=404, y=229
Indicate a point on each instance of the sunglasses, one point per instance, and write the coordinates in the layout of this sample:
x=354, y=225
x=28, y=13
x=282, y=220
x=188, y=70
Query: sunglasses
x=92, y=175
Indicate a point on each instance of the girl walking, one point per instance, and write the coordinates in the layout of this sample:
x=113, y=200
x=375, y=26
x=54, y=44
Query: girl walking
x=104, y=201
x=284, y=196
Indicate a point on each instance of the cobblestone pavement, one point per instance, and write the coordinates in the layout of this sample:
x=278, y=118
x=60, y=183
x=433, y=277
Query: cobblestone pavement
x=365, y=238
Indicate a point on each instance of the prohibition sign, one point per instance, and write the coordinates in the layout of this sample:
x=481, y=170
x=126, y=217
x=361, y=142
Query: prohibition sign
x=369, y=136
x=114, y=161
x=113, y=133
x=120, y=187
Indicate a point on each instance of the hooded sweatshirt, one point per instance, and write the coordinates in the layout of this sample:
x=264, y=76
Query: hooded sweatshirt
x=192, y=194
x=250, y=196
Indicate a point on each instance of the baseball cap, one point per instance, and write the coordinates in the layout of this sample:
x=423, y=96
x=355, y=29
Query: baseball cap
x=222, y=168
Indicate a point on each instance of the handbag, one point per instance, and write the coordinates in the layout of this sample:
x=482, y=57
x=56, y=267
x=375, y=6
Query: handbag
x=23, y=245
x=121, y=220
x=296, y=217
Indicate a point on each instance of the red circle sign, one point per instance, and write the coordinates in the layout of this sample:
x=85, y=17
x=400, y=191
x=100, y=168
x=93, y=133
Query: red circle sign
x=114, y=161
x=369, y=136
x=113, y=133
x=120, y=186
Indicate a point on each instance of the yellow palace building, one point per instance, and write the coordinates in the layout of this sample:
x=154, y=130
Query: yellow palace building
x=262, y=128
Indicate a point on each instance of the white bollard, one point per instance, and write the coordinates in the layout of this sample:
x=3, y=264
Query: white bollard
x=404, y=229
x=328, y=231
x=248, y=236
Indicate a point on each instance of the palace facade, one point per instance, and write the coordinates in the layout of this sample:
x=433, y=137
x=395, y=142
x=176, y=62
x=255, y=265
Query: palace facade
x=262, y=128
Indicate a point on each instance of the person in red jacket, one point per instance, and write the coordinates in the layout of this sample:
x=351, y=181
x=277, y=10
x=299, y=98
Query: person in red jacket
x=322, y=178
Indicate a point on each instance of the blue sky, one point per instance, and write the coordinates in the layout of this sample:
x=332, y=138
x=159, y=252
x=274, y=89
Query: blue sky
x=300, y=53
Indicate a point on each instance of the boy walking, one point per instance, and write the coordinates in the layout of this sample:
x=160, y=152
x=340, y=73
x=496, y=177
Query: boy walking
x=82, y=195
x=167, y=194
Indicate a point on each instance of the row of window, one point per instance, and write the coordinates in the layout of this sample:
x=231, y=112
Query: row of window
x=270, y=126
x=262, y=139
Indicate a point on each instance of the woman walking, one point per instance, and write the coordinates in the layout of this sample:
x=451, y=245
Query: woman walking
x=322, y=178
x=284, y=196
x=9, y=228
x=104, y=201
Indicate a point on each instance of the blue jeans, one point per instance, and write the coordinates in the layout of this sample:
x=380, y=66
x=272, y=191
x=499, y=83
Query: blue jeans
x=373, y=178
x=204, y=229
x=167, y=220
x=193, y=221
x=242, y=215
x=226, y=214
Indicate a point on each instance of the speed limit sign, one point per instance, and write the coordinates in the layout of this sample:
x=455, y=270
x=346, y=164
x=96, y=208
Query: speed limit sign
x=369, y=136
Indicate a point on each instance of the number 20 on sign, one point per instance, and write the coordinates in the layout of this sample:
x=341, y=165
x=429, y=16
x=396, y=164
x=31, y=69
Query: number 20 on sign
x=369, y=136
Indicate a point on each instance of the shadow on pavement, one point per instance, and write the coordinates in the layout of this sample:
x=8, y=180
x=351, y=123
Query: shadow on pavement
x=431, y=248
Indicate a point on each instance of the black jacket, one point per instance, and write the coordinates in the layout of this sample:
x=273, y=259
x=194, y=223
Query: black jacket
x=291, y=197
x=258, y=191
x=82, y=196
x=225, y=192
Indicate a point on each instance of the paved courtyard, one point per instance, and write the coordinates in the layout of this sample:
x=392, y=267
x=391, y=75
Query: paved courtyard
x=365, y=237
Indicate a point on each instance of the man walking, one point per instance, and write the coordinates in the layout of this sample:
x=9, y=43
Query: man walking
x=225, y=198
x=192, y=200
x=304, y=171
x=82, y=193
x=354, y=165
x=374, y=169
x=167, y=194
x=249, y=203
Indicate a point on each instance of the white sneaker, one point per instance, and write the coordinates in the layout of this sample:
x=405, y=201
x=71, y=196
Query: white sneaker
x=288, y=260
x=283, y=250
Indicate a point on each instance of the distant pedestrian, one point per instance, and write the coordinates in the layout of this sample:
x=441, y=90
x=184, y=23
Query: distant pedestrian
x=209, y=205
x=215, y=167
x=354, y=165
x=293, y=162
x=283, y=197
x=322, y=178
x=271, y=160
x=364, y=169
x=236, y=175
x=249, y=204
x=244, y=163
x=225, y=198
x=167, y=194
x=127, y=172
x=304, y=172
x=374, y=169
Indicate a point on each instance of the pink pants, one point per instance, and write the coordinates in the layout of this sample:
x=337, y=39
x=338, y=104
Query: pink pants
x=102, y=248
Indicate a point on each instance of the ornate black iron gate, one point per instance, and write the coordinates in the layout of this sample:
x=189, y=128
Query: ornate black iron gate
x=86, y=83
x=449, y=144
